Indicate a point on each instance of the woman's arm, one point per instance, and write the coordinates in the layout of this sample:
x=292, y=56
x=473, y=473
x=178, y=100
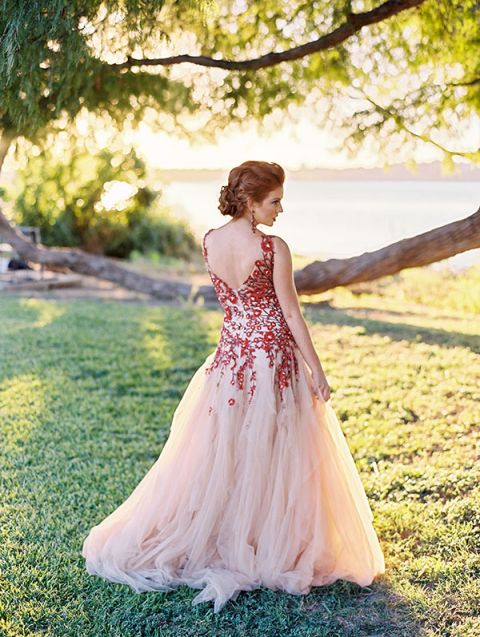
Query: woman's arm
x=288, y=299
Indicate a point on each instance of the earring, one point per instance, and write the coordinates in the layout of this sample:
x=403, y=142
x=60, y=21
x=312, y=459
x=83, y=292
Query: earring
x=253, y=222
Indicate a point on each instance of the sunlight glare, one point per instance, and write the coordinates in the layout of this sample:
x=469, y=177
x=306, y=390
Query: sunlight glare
x=116, y=195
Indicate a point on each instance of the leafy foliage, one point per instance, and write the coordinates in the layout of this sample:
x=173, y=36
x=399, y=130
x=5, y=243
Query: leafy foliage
x=95, y=199
x=412, y=78
x=52, y=66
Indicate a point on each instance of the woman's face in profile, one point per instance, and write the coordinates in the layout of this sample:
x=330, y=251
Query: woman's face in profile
x=267, y=210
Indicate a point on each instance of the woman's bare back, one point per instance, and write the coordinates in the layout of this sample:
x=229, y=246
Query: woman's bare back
x=233, y=250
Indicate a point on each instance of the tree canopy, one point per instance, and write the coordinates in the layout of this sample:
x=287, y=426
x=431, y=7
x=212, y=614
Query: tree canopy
x=390, y=73
x=55, y=61
x=385, y=74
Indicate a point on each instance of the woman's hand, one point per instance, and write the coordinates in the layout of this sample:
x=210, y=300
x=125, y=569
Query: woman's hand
x=320, y=385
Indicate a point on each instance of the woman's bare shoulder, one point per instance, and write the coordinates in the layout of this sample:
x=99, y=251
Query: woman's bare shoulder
x=226, y=231
x=280, y=244
x=222, y=230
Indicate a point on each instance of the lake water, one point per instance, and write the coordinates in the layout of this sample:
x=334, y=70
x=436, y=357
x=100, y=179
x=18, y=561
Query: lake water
x=344, y=218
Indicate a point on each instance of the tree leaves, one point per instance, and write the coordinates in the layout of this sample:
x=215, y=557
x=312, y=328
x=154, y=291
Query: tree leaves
x=404, y=80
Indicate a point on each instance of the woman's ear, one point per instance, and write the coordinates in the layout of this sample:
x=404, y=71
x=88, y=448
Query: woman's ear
x=250, y=204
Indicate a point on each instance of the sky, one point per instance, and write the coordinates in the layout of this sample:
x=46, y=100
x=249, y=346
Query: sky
x=297, y=146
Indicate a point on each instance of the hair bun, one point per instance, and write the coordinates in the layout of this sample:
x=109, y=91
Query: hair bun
x=228, y=204
x=252, y=179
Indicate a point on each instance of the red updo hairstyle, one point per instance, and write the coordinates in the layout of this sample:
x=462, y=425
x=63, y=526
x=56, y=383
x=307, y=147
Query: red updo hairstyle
x=253, y=179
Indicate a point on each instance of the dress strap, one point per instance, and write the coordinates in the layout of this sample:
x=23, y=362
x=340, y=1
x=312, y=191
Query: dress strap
x=267, y=247
x=204, y=247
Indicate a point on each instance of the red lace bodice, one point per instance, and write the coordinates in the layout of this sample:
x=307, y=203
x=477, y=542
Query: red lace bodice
x=253, y=322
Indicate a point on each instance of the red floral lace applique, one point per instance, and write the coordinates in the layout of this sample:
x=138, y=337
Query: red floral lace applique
x=253, y=321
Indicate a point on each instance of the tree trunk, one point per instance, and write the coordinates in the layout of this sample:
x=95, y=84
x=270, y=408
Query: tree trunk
x=431, y=246
x=92, y=265
x=6, y=138
x=425, y=248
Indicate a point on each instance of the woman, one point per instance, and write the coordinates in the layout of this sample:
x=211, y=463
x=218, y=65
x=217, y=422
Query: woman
x=255, y=485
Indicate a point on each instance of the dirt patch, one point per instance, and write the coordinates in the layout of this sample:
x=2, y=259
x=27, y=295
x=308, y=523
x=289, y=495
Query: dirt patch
x=71, y=286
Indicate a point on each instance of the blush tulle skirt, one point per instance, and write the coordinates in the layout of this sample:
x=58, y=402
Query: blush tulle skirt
x=244, y=494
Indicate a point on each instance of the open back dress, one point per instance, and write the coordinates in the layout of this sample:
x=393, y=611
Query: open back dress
x=255, y=485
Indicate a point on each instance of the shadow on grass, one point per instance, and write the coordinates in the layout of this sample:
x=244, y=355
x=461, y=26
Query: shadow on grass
x=111, y=382
x=342, y=609
x=395, y=331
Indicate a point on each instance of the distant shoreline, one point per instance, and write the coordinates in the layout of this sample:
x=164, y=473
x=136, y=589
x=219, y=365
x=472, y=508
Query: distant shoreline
x=399, y=172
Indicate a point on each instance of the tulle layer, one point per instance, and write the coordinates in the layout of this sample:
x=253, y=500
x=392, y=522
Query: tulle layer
x=243, y=495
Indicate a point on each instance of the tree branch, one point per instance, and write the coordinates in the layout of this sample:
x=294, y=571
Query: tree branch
x=472, y=155
x=319, y=276
x=354, y=23
x=92, y=265
x=423, y=249
x=469, y=83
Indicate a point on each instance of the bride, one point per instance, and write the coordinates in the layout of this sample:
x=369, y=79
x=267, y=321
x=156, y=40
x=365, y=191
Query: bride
x=255, y=485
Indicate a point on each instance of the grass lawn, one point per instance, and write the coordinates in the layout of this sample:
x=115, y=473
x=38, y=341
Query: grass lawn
x=87, y=392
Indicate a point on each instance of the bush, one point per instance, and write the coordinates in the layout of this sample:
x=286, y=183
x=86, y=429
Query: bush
x=98, y=202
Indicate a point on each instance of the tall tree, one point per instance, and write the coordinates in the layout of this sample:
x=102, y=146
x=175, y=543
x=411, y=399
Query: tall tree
x=409, y=69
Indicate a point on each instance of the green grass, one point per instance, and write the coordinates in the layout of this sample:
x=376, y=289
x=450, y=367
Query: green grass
x=87, y=392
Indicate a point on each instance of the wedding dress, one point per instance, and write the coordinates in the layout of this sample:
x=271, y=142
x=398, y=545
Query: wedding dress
x=255, y=485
